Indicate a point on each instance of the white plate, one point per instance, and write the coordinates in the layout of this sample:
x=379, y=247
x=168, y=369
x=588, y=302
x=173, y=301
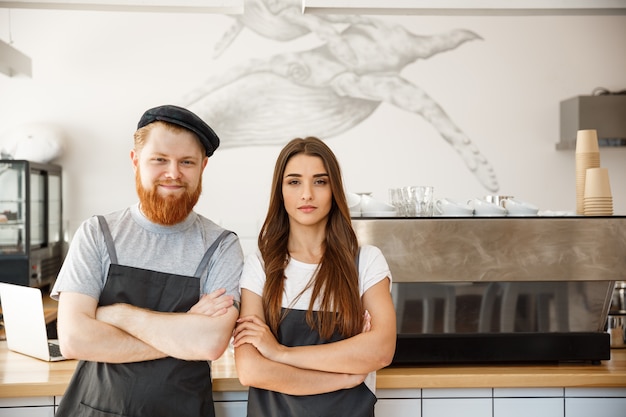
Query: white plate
x=550, y=213
x=378, y=214
x=522, y=212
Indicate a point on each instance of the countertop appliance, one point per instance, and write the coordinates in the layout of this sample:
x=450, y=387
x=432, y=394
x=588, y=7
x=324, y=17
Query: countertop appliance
x=31, y=231
x=606, y=113
x=500, y=289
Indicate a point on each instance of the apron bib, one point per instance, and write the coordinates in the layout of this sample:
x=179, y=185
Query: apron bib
x=354, y=402
x=162, y=387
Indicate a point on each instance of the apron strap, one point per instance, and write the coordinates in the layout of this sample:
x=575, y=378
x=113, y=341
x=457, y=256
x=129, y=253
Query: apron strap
x=209, y=252
x=108, y=239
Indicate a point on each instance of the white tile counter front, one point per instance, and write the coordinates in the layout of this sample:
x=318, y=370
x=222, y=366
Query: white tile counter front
x=503, y=402
x=468, y=402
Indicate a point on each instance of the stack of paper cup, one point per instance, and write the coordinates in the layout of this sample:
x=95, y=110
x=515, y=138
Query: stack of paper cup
x=587, y=156
x=598, y=200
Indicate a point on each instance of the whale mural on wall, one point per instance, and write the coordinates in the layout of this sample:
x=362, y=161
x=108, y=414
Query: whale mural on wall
x=326, y=90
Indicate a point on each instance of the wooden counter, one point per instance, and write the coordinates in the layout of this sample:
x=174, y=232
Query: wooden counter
x=610, y=373
x=22, y=376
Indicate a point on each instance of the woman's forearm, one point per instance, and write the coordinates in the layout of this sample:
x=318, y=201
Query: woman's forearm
x=363, y=353
x=257, y=371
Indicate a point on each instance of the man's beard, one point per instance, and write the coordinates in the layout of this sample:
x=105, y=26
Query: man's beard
x=167, y=210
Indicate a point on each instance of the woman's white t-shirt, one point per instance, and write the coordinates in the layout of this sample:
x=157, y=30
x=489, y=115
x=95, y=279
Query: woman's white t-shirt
x=373, y=268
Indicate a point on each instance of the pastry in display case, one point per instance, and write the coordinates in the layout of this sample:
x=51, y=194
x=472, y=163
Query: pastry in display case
x=31, y=231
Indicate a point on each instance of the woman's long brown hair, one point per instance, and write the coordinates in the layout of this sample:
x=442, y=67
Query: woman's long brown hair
x=336, y=282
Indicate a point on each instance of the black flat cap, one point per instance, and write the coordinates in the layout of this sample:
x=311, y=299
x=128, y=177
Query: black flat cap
x=183, y=118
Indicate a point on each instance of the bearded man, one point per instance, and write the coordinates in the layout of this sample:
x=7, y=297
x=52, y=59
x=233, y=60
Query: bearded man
x=148, y=295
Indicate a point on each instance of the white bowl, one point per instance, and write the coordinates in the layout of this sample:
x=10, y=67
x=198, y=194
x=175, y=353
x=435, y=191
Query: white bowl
x=370, y=204
x=520, y=208
x=483, y=208
x=354, y=201
x=450, y=207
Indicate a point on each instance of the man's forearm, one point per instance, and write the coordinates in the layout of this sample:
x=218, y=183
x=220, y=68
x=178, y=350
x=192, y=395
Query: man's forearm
x=101, y=342
x=182, y=335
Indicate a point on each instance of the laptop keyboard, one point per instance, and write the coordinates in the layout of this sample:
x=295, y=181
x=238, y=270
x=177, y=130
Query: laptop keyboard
x=55, y=350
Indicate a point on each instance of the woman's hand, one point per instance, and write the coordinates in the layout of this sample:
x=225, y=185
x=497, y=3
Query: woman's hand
x=253, y=330
x=355, y=379
x=367, y=322
x=214, y=304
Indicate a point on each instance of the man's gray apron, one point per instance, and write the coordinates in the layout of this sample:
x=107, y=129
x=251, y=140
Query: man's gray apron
x=163, y=387
x=355, y=402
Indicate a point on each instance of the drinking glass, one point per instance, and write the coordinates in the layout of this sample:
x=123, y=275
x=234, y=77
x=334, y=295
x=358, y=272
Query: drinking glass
x=408, y=201
x=396, y=199
x=423, y=200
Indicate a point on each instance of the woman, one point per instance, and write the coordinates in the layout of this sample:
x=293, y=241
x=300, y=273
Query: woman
x=317, y=319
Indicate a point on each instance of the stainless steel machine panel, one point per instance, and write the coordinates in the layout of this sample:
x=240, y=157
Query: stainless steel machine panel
x=499, y=249
x=506, y=284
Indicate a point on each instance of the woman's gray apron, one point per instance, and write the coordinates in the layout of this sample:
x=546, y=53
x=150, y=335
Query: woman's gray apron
x=164, y=387
x=355, y=402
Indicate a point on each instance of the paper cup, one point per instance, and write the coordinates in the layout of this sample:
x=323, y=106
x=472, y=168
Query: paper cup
x=597, y=183
x=584, y=161
x=587, y=141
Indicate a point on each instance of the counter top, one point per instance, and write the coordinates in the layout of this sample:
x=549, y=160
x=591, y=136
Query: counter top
x=611, y=373
x=22, y=376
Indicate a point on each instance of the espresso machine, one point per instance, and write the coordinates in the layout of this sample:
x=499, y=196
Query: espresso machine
x=502, y=289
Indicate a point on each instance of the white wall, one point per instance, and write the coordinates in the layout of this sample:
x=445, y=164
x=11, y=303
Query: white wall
x=94, y=73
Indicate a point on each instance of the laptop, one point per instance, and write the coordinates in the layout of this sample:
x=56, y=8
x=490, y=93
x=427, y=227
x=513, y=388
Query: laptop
x=25, y=323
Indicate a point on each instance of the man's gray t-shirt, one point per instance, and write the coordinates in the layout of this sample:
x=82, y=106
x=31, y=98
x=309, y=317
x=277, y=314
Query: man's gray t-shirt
x=139, y=243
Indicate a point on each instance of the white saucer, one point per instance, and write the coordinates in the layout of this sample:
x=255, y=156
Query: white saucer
x=378, y=214
x=550, y=213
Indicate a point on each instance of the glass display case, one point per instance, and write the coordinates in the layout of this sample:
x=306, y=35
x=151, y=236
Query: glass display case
x=31, y=226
